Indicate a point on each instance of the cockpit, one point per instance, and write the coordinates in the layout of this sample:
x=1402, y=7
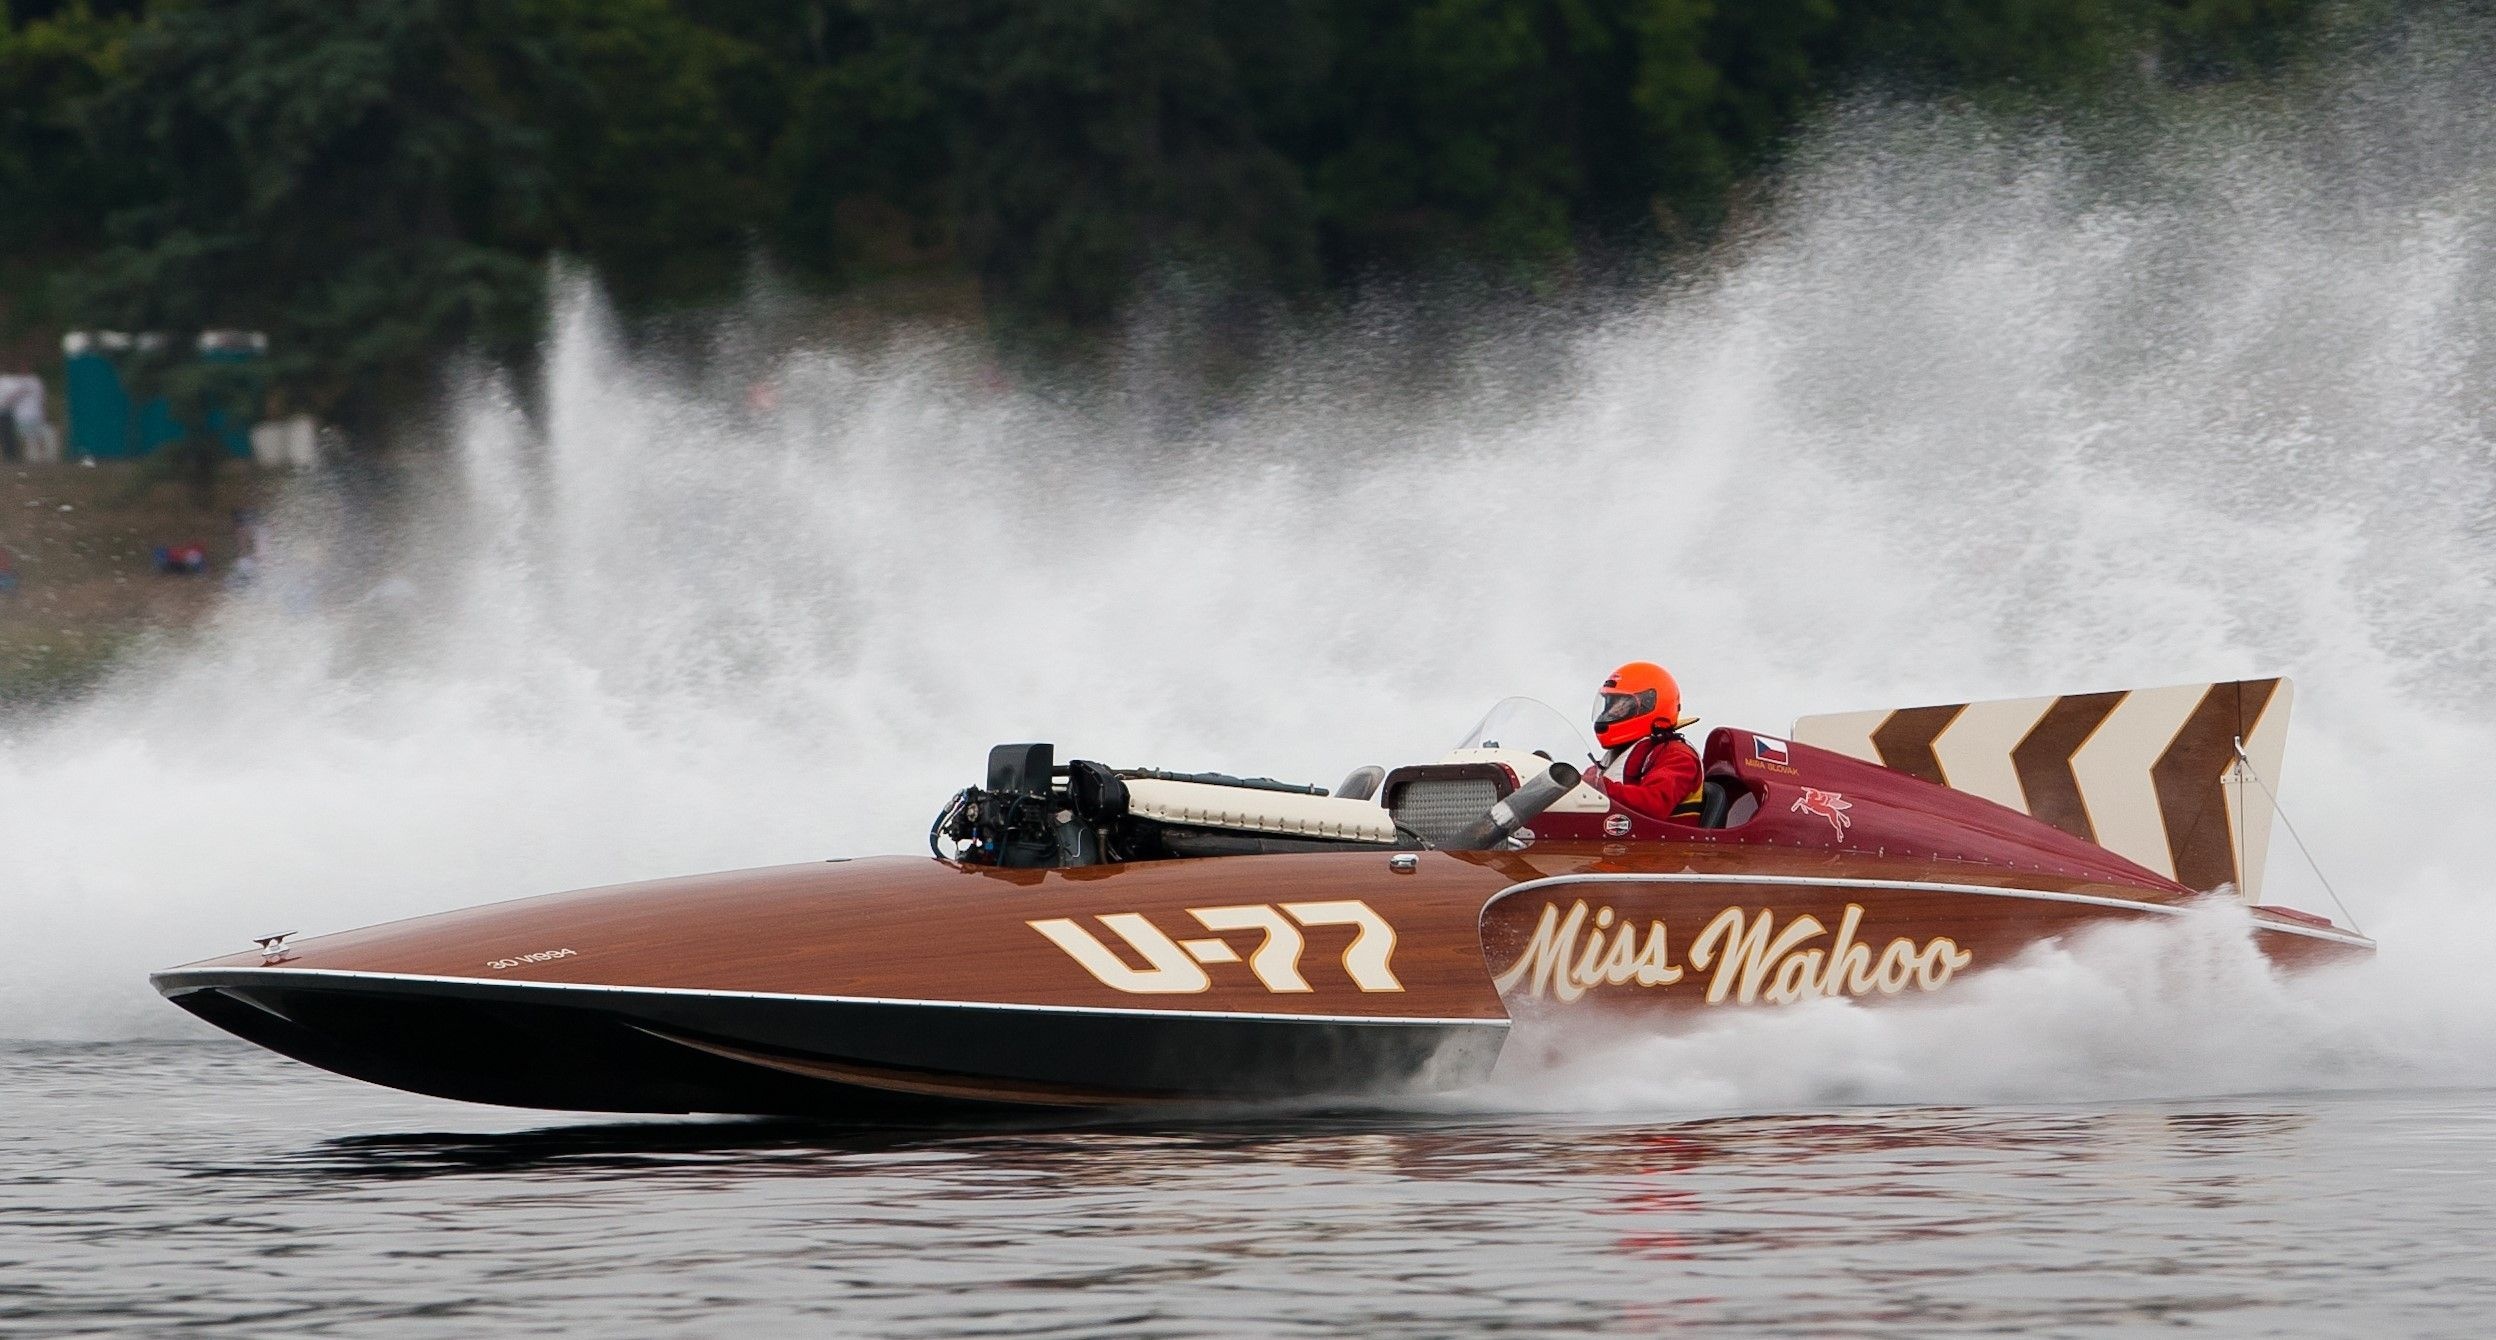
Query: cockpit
x=1520, y=772
x=1518, y=735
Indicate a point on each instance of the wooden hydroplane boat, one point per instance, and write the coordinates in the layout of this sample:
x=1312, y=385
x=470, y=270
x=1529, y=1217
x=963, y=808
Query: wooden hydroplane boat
x=1097, y=937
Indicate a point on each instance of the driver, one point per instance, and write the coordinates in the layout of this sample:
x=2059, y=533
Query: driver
x=1647, y=767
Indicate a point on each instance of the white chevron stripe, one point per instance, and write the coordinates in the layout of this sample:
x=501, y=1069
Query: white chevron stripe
x=2249, y=811
x=2111, y=768
x=1975, y=751
x=1848, y=733
x=2113, y=771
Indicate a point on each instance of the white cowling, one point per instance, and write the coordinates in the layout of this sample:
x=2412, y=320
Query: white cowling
x=1250, y=810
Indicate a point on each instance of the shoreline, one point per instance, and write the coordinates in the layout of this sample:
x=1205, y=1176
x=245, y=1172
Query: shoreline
x=79, y=540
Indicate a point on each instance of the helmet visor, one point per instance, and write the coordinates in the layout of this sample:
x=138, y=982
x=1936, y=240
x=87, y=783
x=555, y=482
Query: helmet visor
x=1613, y=708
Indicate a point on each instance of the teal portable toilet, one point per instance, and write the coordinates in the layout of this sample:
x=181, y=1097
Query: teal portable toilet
x=104, y=424
x=99, y=409
x=232, y=346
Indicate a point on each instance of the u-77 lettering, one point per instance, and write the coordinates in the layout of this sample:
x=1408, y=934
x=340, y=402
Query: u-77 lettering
x=1177, y=967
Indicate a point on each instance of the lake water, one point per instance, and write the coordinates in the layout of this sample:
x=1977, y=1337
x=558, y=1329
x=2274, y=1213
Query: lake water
x=204, y=1186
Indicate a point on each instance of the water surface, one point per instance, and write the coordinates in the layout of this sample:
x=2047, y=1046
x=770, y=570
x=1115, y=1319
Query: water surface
x=153, y=1187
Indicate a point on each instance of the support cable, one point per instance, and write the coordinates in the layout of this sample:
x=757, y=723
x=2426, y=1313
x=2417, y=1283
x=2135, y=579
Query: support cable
x=2246, y=766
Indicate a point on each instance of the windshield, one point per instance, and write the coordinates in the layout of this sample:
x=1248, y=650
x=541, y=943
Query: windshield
x=1530, y=725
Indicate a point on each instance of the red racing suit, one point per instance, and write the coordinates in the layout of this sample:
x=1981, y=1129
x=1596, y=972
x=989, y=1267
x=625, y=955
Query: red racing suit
x=1657, y=777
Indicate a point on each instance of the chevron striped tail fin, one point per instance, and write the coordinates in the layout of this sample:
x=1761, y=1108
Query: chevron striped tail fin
x=2149, y=774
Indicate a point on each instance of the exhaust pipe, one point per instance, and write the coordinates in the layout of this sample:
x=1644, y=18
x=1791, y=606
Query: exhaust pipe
x=1518, y=810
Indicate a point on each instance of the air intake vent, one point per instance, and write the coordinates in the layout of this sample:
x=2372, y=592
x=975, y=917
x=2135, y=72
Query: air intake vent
x=1439, y=808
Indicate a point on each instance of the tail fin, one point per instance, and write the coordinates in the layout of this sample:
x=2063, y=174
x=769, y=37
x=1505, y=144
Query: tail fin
x=2148, y=774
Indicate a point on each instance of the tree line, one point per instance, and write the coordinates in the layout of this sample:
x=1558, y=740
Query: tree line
x=377, y=184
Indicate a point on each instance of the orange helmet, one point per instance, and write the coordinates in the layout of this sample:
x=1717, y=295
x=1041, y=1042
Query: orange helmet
x=1638, y=699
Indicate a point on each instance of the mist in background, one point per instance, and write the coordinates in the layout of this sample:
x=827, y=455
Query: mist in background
x=1969, y=411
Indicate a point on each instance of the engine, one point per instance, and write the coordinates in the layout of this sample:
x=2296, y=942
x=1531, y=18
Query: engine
x=1033, y=814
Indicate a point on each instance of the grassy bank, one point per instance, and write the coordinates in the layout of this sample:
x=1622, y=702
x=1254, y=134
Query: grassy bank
x=80, y=541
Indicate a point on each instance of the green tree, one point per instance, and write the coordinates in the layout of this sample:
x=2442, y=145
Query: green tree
x=863, y=162
x=1058, y=152
x=2055, y=50
x=657, y=132
x=52, y=187
x=352, y=179
x=376, y=184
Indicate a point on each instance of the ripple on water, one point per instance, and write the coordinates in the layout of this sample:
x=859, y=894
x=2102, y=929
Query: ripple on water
x=152, y=1186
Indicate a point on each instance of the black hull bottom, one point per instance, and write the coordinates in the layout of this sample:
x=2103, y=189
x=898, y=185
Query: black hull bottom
x=602, y=1050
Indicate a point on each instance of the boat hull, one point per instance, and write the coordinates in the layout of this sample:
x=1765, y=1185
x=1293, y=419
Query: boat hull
x=899, y=988
x=591, y=1048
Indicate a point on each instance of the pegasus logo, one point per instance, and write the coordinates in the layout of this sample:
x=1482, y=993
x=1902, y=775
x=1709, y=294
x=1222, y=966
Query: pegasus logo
x=1828, y=805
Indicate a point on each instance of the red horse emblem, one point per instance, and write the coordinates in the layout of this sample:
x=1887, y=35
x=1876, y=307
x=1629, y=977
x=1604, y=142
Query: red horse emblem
x=1828, y=805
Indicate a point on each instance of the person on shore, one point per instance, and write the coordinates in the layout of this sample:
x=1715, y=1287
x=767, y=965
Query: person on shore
x=1647, y=767
x=25, y=434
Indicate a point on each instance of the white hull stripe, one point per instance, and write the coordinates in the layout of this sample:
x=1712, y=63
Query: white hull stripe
x=202, y=979
x=2334, y=934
